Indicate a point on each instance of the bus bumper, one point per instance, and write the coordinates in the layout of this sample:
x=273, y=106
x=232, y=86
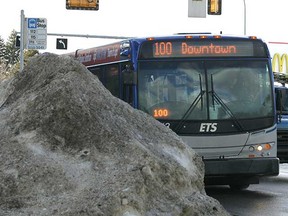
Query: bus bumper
x=226, y=171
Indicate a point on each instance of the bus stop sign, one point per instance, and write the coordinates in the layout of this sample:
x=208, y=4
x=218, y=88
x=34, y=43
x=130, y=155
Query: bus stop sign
x=36, y=32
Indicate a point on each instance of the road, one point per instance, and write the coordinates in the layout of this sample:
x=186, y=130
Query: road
x=268, y=198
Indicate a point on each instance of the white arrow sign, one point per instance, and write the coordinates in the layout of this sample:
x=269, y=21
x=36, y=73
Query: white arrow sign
x=63, y=44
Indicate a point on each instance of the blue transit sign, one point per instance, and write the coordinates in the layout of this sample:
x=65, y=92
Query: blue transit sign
x=32, y=23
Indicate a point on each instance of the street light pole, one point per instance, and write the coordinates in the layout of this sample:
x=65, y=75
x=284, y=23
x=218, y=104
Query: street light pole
x=244, y=17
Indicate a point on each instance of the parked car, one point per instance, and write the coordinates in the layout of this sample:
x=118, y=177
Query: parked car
x=281, y=92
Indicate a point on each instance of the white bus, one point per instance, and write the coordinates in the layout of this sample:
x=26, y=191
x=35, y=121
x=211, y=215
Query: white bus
x=214, y=91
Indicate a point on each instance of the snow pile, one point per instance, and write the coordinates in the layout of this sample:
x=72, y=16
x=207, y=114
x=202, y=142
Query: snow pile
x=68, y=147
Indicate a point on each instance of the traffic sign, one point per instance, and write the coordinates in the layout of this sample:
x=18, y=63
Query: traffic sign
x=197, y=8
x=82, y=4
x=61, y=43
x=36, y=32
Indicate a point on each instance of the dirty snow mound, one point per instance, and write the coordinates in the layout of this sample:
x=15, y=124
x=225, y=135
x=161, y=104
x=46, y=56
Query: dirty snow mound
x=68, y=147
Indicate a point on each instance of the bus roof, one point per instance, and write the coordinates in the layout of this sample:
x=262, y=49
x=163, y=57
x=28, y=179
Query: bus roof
x=194, y=36
x=118, y=51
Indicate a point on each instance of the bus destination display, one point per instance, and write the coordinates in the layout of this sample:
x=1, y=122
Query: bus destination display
x=207, y=48
x=189, y=49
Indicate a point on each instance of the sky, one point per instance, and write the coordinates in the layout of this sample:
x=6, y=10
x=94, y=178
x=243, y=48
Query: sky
x=135, y=18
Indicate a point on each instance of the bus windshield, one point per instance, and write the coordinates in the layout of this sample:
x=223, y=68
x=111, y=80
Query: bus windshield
x=205, y=90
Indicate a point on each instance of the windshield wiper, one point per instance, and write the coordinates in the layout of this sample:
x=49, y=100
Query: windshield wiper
x=191, y=107
x=216, y=98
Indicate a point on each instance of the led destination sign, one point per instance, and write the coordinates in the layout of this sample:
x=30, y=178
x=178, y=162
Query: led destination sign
x=198, y=48
x=167, y=49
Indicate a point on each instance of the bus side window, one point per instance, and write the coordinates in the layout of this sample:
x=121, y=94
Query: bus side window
x=129, y=82
x=112, y=79
x=109, y=77
x=98, y=71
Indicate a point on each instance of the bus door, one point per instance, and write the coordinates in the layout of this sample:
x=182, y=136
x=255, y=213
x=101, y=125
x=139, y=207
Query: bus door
x=129, y=84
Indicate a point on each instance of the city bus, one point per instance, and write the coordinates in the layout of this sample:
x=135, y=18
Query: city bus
x=214, y=91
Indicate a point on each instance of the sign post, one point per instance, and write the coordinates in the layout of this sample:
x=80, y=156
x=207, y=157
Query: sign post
x=22, y=41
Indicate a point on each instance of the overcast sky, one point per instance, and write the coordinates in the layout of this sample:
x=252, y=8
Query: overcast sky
x=131, y=18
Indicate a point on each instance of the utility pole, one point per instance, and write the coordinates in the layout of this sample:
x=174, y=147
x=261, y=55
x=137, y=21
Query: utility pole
x=22, y=41
x=244, y=2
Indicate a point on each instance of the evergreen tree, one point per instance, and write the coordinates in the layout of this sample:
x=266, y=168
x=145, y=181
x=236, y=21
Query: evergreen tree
x=10, y=56
x=12, y=53
x=14, y=69
x=2, y=50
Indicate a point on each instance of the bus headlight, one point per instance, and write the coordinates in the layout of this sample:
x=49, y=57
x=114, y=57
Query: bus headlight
x=251, y=149
x=262, y=149
x=259, y=148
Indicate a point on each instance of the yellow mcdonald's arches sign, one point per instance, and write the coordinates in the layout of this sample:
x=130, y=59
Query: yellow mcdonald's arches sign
x=280, y=63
